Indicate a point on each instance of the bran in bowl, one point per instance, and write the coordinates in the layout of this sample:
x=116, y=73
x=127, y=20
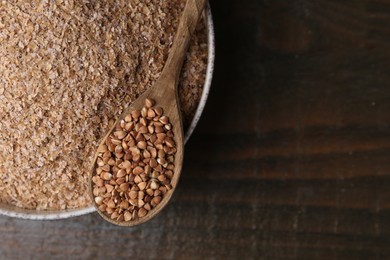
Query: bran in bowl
x=67, y=70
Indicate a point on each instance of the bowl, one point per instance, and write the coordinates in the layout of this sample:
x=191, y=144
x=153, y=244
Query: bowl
x=13, y=211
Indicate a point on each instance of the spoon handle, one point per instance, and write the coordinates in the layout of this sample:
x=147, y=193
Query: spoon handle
x=188, y=22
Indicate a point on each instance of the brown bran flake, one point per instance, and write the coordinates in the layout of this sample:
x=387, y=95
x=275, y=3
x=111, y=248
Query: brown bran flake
x=67, y=70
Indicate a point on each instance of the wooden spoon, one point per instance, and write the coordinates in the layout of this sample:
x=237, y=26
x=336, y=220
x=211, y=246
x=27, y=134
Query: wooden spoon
x=164, y=93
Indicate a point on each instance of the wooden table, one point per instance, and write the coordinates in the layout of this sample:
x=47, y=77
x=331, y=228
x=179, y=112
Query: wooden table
x=291, y=159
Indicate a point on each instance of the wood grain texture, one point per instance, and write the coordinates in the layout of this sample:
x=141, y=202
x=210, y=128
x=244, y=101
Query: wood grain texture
x=299, y=169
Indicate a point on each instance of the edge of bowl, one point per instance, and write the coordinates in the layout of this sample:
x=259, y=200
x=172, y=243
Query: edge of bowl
x=13, y=211
x=209, y=73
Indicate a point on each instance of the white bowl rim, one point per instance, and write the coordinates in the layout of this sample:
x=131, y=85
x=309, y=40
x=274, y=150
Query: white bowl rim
x=12, y=211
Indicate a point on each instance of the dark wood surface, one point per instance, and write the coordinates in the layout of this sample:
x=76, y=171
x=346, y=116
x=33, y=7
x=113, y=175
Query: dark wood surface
x=291, y=159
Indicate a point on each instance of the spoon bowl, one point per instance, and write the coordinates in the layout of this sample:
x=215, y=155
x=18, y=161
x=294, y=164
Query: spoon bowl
x=172, y=111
